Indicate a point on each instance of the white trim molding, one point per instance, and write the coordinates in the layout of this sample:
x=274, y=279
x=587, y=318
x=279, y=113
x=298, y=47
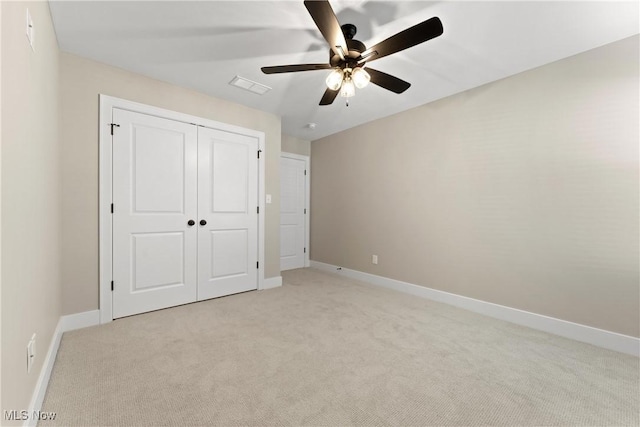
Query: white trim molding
x=272, y=282
x=65, y=324
x=598, y=337
x=80, y=320
x=107, y=104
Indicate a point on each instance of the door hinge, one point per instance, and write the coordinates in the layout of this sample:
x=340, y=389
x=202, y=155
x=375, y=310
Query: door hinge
x=258, y=209
x=259, y=151
x=257, y=264
x=305, y=172
x=112, y=285
x=305, y=211
x=111, y=207
x=112, y=126
x=305, y=250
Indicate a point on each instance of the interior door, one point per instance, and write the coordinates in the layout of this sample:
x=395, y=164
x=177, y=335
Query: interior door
x=227, y=213
x=154, y=195
x=292, y=213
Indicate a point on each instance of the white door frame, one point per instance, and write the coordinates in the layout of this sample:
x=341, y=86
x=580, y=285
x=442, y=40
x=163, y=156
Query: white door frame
x=107, y=104
x=307, y=199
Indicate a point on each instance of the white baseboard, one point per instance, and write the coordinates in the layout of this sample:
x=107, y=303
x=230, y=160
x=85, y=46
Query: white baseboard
x=599, y=337
x=272, y=282
x=65, y=323
x=80, y=320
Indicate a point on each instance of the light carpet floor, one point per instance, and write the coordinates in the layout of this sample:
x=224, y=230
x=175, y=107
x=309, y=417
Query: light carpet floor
x=325, y=350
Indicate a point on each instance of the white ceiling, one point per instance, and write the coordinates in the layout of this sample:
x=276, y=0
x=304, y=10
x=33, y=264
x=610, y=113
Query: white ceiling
x=203, y=44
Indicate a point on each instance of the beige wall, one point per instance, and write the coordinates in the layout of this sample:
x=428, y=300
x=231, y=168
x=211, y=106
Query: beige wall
x=81, y=80
x=293, y=145
x=523, y=192
x=1, y=209
x=30, y=197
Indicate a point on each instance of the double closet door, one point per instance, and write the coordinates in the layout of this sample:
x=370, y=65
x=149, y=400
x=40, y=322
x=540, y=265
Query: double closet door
x=185, y=221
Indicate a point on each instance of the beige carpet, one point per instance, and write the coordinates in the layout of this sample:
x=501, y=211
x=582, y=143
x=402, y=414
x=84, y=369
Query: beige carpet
x=324, y=350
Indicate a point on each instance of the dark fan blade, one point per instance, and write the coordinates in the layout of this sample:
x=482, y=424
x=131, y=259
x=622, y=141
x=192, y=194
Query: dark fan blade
x=417, y=34
x=294, y=68
x=387, y=81
x=327, y=23
x=329, y=96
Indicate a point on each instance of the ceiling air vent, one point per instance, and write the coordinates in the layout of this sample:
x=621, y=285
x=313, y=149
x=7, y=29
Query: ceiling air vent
x=249, y=85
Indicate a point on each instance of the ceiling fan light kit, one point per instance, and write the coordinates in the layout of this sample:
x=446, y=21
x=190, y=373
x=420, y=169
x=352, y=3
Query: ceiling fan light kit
x=348, y=57
x=346, y=79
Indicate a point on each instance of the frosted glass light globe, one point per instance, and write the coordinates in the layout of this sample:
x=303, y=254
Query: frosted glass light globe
x=334, y=80
x=360, y=77
x=348, y=89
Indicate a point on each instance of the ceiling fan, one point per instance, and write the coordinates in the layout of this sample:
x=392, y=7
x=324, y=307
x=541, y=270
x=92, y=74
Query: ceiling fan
x=348, y=57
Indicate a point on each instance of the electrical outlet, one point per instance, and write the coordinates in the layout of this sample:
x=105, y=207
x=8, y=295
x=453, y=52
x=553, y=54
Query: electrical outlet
x=31, y=352
x=374, y=259
x=30, y=30
x=33, y=346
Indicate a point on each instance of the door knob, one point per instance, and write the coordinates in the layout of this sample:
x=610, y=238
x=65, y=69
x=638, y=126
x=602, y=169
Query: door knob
x=191, y=222
x=203, y=222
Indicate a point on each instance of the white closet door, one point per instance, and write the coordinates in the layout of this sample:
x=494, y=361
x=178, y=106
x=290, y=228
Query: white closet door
x=292, y=220
x=155, y=195
x=227, y=213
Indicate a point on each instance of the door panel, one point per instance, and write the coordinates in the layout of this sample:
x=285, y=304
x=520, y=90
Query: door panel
x=158, y=189
x=229, y=177
x=288, y=241
x=292, y=216
x=158, y=260
x=229, y=252
x=228, y=189
x=154, y=195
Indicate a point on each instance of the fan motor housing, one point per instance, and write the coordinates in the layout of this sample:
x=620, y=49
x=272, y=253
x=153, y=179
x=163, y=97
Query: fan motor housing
x=355, y=48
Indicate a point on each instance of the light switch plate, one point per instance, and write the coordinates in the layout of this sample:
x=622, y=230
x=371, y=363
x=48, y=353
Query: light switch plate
x=268, y=198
